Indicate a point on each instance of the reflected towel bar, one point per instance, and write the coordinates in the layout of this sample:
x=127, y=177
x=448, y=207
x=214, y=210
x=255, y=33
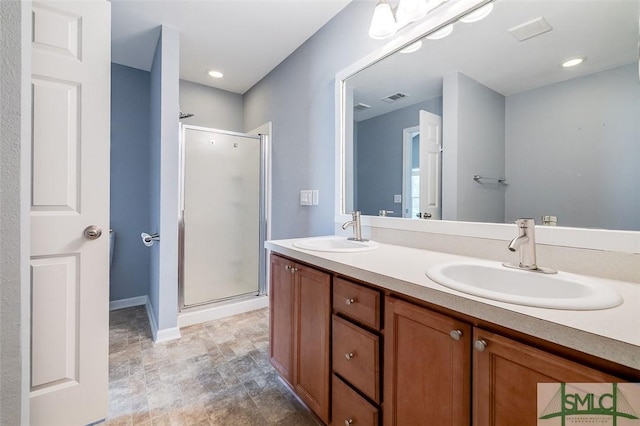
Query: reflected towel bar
x=500, y=180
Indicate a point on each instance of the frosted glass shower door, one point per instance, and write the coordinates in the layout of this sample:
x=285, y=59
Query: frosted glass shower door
x=221, y=241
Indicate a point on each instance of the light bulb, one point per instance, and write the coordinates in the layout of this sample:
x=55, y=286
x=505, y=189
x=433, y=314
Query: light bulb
x=411, y=10
x=477, y=14
x=383, y=24
x=441, y=33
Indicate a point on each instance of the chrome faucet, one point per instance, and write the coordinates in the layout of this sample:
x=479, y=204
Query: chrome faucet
x=357, y=229
x=525, y=245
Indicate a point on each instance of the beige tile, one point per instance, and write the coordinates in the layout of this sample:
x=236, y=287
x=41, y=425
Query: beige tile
x=218, y=373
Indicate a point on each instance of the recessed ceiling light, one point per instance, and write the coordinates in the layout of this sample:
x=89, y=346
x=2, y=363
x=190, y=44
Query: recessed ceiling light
x=477, y=14
x=573, y=62
x=215, y=74
x=441, y=33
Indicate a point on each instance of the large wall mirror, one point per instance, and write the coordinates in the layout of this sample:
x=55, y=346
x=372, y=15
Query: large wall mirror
x=487, y=125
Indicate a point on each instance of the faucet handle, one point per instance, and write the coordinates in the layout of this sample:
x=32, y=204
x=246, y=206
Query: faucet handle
x=525, y=222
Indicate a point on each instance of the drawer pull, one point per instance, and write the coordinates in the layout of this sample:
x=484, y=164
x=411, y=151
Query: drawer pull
x=349, y=356
x=348, y=422
x=455, y=334
x=480, y=345
x=349, y=301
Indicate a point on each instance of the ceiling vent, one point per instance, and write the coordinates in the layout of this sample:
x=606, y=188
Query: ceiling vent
x=361, y=107
x=395, y=97
x=530, y=29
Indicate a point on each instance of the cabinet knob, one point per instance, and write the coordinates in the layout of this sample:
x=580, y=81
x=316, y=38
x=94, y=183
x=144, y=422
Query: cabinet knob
x=348, y=422
x=349, y=356
x=287, y=267
x=480, y=345
x=350, y=301
x=455, y=334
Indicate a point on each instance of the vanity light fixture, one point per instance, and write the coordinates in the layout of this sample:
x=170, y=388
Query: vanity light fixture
x=573, y=62
x=215, y=74
x=411, y=10
x=413, y=47
x=383, y=23
x=477, y=14
x=441, y=33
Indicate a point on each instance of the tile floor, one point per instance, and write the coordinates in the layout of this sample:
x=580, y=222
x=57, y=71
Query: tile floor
x=218, y=373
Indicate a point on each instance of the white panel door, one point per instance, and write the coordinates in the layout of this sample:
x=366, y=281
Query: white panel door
x=430, y=165
x=70, y=192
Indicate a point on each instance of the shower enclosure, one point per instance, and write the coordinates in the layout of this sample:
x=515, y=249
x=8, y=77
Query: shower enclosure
x=222, y=216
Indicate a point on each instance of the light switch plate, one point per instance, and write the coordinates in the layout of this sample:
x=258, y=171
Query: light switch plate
x=397, y=198
x=315, y=197
x=306, y=197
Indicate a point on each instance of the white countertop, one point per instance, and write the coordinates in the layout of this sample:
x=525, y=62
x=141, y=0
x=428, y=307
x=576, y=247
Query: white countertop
x=612, y=334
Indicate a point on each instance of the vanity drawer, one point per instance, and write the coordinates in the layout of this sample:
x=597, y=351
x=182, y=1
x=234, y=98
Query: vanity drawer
x=357, y=302
x=356, y=357
x=349, y=408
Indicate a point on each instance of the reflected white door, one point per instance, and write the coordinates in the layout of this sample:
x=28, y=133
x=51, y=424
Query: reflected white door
x=70, y=192
x=221, y=215
x=430, y=165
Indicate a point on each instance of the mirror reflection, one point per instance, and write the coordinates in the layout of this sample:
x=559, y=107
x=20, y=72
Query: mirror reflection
x=487, y=125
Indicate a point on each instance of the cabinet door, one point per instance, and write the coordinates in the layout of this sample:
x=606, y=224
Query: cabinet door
x=506, y=375
x=281, y=314
x=312, y=331
x=427, y=371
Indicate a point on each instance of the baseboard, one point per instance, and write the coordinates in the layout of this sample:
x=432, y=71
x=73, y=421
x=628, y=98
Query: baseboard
x=222, y=310
x=128, y=303
x=158, y=335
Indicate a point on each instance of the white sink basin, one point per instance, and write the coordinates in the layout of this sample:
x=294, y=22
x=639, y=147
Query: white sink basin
x=335, y=244
x=493, y=281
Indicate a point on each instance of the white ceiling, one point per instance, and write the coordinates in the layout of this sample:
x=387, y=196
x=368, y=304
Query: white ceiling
x=244, y=39
x=605, y=31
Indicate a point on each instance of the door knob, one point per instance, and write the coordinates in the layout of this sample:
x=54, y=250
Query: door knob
x=92, y=232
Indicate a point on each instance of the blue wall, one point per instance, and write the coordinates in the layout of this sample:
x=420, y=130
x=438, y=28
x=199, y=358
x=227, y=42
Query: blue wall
x=378, y=156
x=130, y=181
x=154, y=176
x=298, y=98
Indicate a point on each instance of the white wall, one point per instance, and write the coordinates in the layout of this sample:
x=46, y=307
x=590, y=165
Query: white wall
x=579, y=142
x=473, y=143
x=298, y=97
x=164, y=184
x=15, y=119
x=213, y=108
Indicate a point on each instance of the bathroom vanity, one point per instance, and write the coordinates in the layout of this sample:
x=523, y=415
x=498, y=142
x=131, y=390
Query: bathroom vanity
x=367, y=338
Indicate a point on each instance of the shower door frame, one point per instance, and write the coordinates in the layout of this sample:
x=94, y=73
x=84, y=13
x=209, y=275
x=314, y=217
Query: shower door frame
x=263, y=215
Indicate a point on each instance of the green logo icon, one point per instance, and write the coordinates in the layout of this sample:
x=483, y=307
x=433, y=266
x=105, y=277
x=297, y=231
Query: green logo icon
x=565, y=404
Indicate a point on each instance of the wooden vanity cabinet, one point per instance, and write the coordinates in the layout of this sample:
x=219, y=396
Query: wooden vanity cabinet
x=356, y=353
x=432, y=378
x=427, y=360
x=506, y=374
x=387, y=357
x=300, y=312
